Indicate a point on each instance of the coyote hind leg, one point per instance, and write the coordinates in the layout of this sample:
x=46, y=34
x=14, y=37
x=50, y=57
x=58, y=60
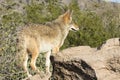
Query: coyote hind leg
x=35, y=54
x=25, y=64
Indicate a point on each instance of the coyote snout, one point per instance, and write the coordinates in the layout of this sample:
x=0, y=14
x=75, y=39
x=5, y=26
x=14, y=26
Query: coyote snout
x=74, y=27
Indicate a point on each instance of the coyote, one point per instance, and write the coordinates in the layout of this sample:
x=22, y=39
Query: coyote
x=38, y=38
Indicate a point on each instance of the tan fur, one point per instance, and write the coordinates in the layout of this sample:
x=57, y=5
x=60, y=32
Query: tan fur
x=36, y=38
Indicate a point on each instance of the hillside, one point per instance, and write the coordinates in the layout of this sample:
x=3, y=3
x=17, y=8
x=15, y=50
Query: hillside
x=98, y=21
x=94, y=5
x=100, y=7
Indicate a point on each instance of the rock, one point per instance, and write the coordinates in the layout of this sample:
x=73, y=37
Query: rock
x=75, y=69
x=103, y=64
x=111, y=43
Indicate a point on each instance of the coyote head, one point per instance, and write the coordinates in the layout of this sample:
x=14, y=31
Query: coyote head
x=67, y=20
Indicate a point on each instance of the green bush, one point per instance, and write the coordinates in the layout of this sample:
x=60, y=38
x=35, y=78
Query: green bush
x=44, y=12
x=93, y=30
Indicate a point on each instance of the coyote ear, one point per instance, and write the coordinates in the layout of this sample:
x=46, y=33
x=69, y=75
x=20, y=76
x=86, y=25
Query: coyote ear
x=70, y=12
x=68, y=16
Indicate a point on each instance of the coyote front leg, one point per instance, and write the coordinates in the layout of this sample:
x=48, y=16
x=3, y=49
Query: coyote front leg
x=48, y=62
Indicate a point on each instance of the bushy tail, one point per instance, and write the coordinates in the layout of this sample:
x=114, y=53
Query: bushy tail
x=21, y=51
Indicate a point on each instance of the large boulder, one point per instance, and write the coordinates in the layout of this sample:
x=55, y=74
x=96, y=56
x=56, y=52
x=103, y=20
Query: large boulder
x=86, y=63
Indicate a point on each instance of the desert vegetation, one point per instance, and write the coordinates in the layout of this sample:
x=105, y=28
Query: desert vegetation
x=94, y=28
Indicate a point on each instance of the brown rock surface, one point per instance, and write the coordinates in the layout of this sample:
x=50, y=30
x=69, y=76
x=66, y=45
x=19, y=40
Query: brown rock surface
x=105, y=62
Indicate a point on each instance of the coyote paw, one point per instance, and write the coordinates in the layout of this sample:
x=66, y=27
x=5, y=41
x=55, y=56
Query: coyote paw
x=42, y=74
x=48, y=73
x=29, y=75
x=37, y=70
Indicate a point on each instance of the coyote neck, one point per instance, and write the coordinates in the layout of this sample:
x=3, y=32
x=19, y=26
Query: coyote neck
x=64, y=32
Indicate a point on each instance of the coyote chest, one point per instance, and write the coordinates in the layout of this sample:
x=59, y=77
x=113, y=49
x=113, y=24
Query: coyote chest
x=45, y=46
